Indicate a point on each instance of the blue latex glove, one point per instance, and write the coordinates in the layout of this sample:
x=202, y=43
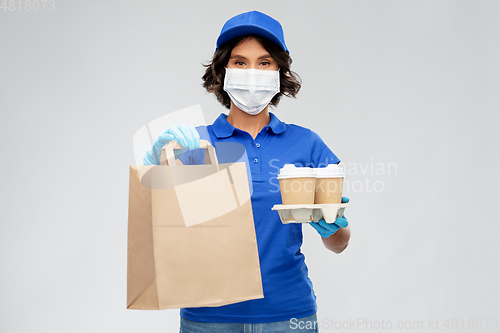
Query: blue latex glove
x=328, y=229
x=186, y=136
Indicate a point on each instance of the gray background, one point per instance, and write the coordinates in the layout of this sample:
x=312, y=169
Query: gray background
x=415, y=83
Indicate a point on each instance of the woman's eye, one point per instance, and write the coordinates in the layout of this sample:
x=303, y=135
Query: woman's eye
x=265, y=63
x=240, y=63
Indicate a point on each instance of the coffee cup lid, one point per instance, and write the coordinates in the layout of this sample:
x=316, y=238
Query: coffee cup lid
x=291, y=171
x=330, y=171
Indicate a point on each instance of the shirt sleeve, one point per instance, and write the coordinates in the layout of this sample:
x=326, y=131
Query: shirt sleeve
x=321, y=155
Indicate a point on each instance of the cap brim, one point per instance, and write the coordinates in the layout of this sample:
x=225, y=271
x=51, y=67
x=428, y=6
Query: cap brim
x=244, y=30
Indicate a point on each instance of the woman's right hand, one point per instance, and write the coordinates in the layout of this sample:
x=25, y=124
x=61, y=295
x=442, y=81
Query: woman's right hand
x=186, y=136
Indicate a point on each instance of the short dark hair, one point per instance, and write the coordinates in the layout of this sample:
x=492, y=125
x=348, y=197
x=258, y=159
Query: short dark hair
x=213, y=79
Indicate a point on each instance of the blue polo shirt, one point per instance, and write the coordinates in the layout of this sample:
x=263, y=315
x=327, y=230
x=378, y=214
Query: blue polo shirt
x=288, y=291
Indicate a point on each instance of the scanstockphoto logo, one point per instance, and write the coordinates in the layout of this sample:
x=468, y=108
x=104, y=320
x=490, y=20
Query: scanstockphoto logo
x=357, y=324
x=464, y=324
x=359, y=177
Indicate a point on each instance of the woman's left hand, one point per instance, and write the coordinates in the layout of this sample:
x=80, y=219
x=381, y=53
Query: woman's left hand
x=327, y=229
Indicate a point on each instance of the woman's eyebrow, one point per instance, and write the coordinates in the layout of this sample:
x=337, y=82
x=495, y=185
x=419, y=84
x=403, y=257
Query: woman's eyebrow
x=242, y=57
x=237, y=56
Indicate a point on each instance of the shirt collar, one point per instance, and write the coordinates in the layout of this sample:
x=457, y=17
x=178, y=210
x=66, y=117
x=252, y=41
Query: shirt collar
x=223, y=129
x=277, y=126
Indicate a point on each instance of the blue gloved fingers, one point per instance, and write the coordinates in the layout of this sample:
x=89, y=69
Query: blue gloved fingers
x=149, y=159
x=152, y=157
x=345, y=199
x=191, y=135
x=161, y=141
x=164, y=138
x=186, y=136
x=178, y=135
x=325, y=229
x=316, y=226
x=341, y=222
x=332, y=227
x=321, y=230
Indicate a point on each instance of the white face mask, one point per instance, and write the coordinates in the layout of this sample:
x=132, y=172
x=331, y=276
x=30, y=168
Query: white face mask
x=251, y=90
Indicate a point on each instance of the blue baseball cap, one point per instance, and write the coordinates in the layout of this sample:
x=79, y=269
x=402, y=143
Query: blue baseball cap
x=252, y=23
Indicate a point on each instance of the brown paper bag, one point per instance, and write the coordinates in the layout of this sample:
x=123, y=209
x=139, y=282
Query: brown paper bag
x=191, y=235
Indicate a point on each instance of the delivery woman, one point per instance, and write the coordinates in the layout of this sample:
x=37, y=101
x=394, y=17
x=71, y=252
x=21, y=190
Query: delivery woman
x=249, y=71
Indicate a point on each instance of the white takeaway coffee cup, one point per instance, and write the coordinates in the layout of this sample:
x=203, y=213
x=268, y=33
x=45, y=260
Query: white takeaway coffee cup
x=297, y=184
x=329, y=182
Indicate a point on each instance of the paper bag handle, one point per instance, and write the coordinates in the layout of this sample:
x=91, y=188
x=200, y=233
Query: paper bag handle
x=168, y=157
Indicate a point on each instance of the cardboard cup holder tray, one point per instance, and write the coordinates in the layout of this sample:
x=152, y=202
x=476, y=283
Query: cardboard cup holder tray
x=310, y=213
